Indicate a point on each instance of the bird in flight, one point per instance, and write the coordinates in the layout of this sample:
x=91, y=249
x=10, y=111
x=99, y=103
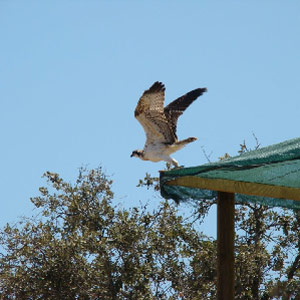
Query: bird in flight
x=160, y=123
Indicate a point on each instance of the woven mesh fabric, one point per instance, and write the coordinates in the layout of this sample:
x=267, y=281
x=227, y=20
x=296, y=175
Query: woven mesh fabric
x=276, y=165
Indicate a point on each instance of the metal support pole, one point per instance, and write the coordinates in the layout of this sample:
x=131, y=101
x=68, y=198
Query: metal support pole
x=225, y=246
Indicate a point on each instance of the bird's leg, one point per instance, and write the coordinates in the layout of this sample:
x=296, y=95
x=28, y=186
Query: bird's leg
x=174, y=163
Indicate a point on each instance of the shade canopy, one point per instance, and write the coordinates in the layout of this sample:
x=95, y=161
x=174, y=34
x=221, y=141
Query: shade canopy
x=268, y=176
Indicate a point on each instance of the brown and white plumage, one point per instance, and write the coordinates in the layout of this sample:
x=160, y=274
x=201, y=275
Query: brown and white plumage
x=160, y=123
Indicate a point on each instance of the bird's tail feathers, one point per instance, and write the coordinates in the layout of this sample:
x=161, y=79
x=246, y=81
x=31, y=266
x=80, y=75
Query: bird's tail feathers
x=186, y=141
x=179, y=145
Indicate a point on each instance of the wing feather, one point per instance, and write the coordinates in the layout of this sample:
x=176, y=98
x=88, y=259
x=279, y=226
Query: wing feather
x=150, y=113
x=176, y=108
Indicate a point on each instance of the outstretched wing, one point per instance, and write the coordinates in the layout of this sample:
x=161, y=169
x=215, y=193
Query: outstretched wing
x=176, y=108
x=150, y=113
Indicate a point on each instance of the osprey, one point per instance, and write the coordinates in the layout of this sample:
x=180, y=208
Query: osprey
x=160, y=123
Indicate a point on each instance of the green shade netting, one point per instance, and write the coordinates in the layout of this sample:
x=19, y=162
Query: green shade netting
x=276, y=165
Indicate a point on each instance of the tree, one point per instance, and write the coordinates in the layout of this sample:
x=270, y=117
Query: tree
x=81, y=247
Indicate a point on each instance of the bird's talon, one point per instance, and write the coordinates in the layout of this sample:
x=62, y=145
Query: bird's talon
x=178, y=167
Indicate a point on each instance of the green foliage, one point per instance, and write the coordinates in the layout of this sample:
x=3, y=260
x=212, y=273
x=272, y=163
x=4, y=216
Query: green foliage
x=80, y=246
x=84, y=248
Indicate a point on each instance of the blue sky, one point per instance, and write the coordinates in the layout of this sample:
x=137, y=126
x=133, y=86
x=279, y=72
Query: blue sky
x=71, y=73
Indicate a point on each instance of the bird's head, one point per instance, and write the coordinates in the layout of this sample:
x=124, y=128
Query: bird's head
x=137, y=153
